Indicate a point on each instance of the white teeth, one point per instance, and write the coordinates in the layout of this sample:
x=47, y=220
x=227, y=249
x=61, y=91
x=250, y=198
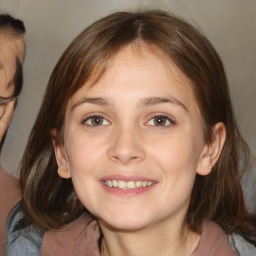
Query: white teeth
x=130, y=184
x=114, y=183
x=127, y=184
x=121, y=184
x=138, y=184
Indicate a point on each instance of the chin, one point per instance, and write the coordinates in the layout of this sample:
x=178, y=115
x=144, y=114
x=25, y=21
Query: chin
x=123, y=223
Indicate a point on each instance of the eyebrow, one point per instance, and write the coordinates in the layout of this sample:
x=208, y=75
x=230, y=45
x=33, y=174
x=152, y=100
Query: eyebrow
x=149, y=101
x=94, y=101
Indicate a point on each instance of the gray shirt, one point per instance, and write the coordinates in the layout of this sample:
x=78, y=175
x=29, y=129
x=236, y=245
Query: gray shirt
x=22, y=241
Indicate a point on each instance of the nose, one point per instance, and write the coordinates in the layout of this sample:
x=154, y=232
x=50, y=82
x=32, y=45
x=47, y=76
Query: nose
x=126, y=146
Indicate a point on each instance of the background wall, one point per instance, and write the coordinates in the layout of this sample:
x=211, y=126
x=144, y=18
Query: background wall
x=51, y=25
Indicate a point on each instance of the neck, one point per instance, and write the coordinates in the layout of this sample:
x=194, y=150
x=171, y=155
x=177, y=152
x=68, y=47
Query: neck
x=159, y=239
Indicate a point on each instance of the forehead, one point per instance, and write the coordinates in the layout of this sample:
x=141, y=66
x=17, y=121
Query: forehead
x=11, y=47
x=144, y=54
x=141, y=67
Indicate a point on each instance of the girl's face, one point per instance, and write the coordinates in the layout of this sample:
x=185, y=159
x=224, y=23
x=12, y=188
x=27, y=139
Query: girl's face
x=133, y=142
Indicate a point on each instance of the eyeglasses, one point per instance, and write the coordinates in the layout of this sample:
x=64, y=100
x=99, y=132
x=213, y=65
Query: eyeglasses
x=5, y=100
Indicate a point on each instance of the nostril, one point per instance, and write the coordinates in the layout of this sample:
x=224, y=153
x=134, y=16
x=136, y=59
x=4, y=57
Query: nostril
x=115, y=158
x=125, y=158
x=125, y=149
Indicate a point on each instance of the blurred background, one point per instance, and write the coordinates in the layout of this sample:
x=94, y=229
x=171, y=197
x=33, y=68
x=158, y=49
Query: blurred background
x=52, y=24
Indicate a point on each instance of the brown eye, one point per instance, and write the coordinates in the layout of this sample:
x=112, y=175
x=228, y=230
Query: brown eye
x=160, y=120
x=96, y=121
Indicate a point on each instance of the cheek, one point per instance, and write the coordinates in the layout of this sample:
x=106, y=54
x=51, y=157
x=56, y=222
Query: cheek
x=180, y=152
x=6, y=90
x=174, y=159
x=83, y=153
x=178, y=157
x=85, y=156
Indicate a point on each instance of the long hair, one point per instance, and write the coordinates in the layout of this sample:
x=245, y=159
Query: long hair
x=50, y=201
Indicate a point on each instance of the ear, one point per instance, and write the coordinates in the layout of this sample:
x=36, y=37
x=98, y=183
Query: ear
x=211, y=152
x=61, y=157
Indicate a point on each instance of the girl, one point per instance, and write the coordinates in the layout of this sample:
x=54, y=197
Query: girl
x=136, y=134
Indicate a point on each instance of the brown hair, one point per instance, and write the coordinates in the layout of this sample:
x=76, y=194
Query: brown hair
x=50, y=201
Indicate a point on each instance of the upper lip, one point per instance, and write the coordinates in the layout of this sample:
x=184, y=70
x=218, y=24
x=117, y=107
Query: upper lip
x=126, y=178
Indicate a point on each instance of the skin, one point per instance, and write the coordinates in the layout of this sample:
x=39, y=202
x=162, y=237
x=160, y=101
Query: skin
x=10, y=48
x=129, y=145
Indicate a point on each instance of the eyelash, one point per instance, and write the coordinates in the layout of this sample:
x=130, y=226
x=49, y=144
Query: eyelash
x=170, y=121
x=165, y=117
x=90, y=117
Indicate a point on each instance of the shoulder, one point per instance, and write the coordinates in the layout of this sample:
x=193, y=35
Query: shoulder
x=10, y=189
x=9, y=196
x=244, y=248
x=214, y=242
x=79, y=237
x=22, y=239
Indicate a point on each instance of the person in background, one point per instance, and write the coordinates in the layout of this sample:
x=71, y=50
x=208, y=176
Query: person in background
x=12, y=54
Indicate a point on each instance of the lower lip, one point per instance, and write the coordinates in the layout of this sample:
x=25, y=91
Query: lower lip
x=127, y=192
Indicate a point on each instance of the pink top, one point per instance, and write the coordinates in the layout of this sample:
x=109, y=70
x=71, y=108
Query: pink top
x=80, y=238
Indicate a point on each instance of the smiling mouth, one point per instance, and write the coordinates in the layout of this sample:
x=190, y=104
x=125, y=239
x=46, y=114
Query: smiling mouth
x=121, y=184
